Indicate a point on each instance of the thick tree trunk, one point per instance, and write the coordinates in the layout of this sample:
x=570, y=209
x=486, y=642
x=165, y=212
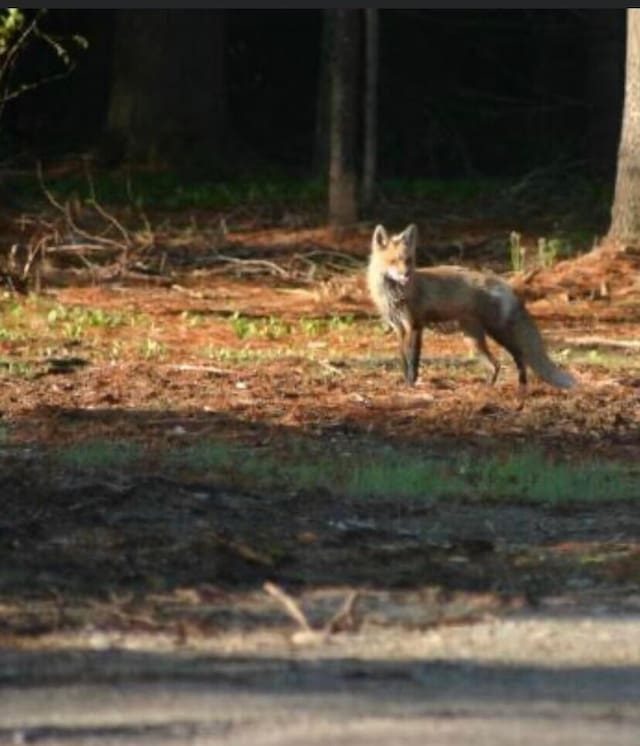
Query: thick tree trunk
x=625, y=213
x=605, y=31
x=167, y=100
x=370, y=108
x=321, y=140
x=343, y=208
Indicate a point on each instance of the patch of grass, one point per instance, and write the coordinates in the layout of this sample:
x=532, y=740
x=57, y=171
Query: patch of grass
x=81, y=316
x=12, y=335
x=382, y=473
x=239, y=356
x=405, y=478
x=202, y=457
x=270, y=327
x=152, y=349
x=442, y=190
x=529, y=475
x=523, y=476
x=193, y=318
x=74, y=321
x=316, y=326
x=170, y=191
x=98, y=455
x=610, y=359
x=16, y=369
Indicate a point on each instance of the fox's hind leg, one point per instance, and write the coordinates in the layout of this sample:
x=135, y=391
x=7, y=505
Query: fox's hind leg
x=514, y=349
x=413, y=354
x=475, y=332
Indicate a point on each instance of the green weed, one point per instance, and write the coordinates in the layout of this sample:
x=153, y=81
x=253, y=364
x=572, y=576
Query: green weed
x=548, y=250
x=316, y=326
x=16, y=369
x=12, y=335
x=265, y=328
x=517, y=252
x=152, y=349
x=192, y=318
x=75, y=319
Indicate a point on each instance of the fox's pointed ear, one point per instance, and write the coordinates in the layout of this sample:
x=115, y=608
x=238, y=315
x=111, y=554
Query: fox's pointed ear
x=380, y=238
x=410, y=236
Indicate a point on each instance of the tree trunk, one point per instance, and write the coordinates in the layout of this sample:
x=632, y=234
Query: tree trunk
x=321, y=142
x=343, y=109
x=167, y=100
x=370, y=108
x=625, y=213
x=604, y=87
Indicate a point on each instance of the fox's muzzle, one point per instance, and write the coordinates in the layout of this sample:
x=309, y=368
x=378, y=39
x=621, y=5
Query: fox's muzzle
x=402, y=278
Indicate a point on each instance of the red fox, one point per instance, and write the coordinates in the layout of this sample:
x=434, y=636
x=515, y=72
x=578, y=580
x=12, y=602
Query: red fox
x=483, y=304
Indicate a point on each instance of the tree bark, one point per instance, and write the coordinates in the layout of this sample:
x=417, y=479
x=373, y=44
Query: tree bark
x=343, y=208
x=168, y=100
x=370, y=108
x=625, y=213
x=321, y=139
x=604, y=41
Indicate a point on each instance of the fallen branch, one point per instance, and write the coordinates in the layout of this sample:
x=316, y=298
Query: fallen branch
x=628, y=344
x=202, y=368
x=101, y=211
x=64, y=209
x=254, y=263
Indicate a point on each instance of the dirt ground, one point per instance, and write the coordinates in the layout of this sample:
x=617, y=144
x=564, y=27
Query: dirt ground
x=260, y=355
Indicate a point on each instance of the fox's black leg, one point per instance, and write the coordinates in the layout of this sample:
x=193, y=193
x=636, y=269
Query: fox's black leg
x=476, y=334
x=414, y=347
x=518, y=358
x=404, y=360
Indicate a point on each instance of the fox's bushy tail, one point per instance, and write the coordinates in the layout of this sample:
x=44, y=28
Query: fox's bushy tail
x=535, y=354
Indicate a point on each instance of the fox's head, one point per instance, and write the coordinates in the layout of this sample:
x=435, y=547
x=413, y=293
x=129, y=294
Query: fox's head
x=396, y=254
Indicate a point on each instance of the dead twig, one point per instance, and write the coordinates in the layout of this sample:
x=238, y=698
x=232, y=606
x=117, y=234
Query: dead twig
x=243, y=550
x=101, y=211
x=330, y=368
x=290, y=605
x=341, y=620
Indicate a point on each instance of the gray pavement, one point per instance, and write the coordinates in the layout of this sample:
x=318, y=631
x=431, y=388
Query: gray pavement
x=537, y=682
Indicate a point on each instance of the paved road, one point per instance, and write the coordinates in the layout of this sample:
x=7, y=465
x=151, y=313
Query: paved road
x=340, y=695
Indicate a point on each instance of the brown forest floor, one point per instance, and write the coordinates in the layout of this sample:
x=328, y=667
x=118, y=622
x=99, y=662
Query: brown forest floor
x=145, y=552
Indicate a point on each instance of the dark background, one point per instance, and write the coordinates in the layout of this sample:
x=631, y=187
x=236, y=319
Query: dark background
x=463, y=94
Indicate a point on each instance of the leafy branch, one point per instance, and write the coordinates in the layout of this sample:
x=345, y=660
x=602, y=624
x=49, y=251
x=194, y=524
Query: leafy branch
x=16, y=34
